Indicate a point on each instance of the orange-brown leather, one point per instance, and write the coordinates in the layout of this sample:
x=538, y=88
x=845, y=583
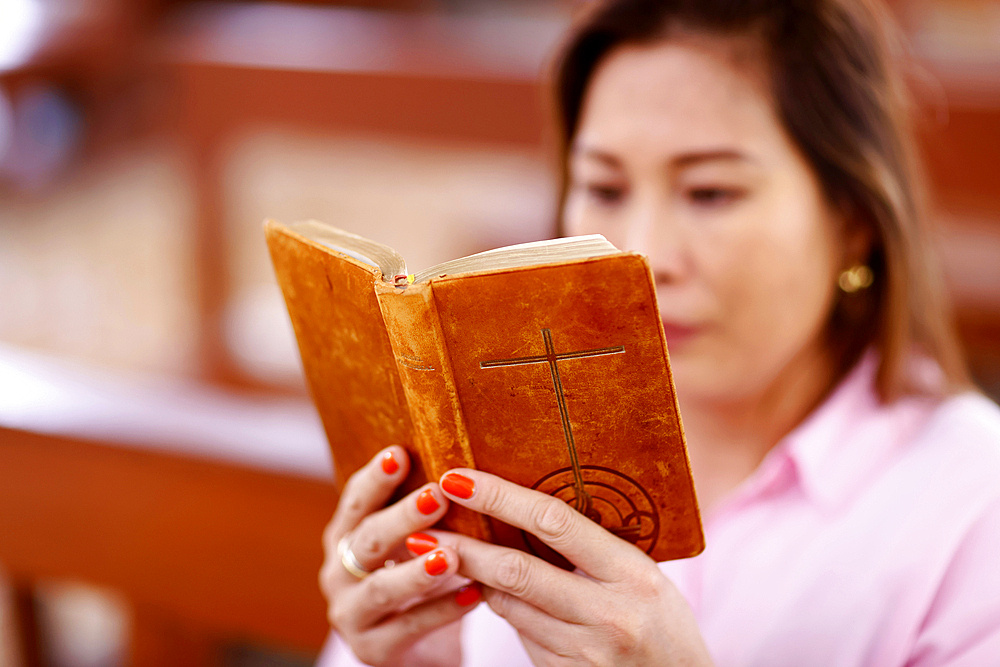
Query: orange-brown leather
x=621, y=406
x=349, y=365
x=461, y=400
x=425, y=371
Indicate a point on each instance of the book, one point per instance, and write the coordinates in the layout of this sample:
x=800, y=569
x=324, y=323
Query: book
x=542, y=363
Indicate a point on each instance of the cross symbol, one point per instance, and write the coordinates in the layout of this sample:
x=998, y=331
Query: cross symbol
x=583, y=500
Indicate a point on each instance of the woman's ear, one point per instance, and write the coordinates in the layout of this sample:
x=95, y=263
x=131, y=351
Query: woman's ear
x=858, y=235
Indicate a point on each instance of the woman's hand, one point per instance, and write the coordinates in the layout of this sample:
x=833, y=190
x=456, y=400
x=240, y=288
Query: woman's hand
x=623, y=612
x=382, y=615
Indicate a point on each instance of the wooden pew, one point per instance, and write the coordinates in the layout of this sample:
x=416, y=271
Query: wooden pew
x=208, y=553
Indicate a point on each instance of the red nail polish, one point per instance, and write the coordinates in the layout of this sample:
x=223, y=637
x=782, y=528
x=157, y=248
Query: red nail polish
x=436, y=563
x=421, y=543
x=427, y=503
x=470, y=594
x=458, y=485
x=389, y=464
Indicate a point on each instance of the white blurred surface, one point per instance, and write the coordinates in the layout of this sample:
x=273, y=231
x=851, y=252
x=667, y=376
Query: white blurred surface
x=85, y=626
x=430, y=201
x=46, y=395
x=21, y=23
x=304, y=37
x=101, y=268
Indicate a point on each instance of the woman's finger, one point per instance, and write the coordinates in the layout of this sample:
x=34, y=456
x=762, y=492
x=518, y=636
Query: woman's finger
x=378, y=535
x=584, y=543
x=537, y=654
x=368, y=490
x=532, y=624
x=390, y=591
x=375, y=645
x=561, y=594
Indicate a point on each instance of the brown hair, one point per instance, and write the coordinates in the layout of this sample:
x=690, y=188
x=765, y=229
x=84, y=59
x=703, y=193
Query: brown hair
x=841, y=99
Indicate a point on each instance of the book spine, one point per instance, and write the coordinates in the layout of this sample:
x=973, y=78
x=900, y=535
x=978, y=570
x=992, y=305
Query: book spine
x=439, y=433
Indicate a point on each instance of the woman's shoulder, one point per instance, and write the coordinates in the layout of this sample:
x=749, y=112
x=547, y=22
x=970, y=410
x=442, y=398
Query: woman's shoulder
x=954, y=438
x=969, y=414
x=964, y=426
x=961, y=427
x=960, y=444
x=933, y=452
x=951, y=446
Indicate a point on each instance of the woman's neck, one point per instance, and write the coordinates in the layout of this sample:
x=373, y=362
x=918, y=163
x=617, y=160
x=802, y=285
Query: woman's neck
x=729, y=437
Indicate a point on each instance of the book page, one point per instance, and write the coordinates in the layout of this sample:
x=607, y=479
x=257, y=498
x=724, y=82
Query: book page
x=524, y=254
x=392, y=264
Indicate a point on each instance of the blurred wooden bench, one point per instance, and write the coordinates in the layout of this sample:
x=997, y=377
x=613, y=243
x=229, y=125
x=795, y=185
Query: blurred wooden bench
x=213, y=540
x=207, y=553
x=211, y=549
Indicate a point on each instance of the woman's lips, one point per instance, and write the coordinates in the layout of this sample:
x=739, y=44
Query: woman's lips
x=678, y=334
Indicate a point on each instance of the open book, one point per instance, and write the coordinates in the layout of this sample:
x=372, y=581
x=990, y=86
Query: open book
x=543, y=363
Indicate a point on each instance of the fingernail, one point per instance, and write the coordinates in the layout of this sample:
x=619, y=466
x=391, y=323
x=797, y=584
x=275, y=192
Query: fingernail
x=436, y=563
x=427, y=503
x=420, y=543
x=389, y=463
x=458, y=485
x=470, y=594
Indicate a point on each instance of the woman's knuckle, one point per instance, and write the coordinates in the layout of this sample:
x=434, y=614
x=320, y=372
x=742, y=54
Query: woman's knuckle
x=554, y=521
x=624, y=635
x=326, y=579
x=330, y=535
x=493, y=500
x=623, y=630
x=338, y=616
x=377, y=592
x=648, y=584
x=366, y=543
x=350, y=503
x=565, y=653
x=411, y=625
x=501, y=603
x=591, y=655
x=352, y=488
x=369, y=651
x=657, y=584
x=513, y=573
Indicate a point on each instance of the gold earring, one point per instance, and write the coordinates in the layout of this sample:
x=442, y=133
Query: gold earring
x=856, y=278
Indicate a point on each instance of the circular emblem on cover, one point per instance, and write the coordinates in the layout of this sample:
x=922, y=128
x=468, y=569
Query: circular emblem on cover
x=609, y=498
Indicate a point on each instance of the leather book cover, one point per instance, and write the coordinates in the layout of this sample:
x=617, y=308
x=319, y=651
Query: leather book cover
x=349, y=365
x=565, y=387
x=348, y=362
x=554, y=376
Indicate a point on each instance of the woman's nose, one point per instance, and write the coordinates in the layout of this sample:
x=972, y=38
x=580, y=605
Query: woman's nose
x=639, y=230
x=653, y=232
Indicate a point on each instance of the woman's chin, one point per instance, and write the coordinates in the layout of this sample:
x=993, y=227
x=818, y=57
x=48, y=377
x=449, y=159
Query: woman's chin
x=703, y=375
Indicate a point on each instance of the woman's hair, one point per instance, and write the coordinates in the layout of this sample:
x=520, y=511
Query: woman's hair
x=839, y=96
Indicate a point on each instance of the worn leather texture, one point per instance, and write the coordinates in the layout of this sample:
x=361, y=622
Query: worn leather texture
x=556, y=358
x=349, y=365
x=427, y=379
x=555, y=377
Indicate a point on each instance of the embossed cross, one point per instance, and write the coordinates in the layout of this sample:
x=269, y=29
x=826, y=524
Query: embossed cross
x=583, y=500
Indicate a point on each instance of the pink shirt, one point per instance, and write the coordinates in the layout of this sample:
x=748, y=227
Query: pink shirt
x=869, y=536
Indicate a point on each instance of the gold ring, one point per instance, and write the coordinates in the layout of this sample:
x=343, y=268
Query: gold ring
x=349, y=560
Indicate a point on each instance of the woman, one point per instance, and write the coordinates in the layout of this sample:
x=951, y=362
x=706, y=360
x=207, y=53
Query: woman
x=757, y=153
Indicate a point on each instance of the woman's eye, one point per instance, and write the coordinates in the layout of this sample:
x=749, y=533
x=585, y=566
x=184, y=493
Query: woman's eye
x=606, y=194
x=713, y=196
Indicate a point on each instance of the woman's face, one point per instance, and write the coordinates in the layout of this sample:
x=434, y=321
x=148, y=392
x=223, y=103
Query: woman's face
x=680, y=155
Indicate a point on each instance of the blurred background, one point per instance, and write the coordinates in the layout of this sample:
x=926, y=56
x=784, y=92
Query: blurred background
x=163, y=482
